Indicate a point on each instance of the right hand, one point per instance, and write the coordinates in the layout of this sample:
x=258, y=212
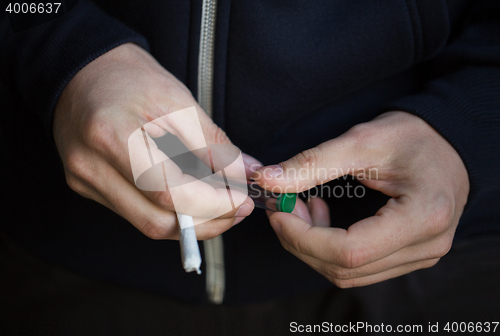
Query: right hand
x=96, y=113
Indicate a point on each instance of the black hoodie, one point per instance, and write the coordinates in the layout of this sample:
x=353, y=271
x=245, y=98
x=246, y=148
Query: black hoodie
x=288, y=75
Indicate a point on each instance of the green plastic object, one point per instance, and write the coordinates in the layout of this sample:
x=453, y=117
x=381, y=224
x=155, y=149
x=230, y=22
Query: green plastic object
x=286, y=202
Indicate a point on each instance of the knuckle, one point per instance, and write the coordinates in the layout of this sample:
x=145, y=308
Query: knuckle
x=443, y=247
x=180, y=94
x=360, y=133
x=74, y=163
x=299, y=244
x=97, y=135
x=295, y=244
x=430, y=263
x=290, y=245
x=351, y=257
x=78, y=165
x=76, y=185
x=440, y=219
x=155, y=229
x=165, y=200
x=444, y=213
x=339, y=273
x=79, y=187
x=308, y=158
x=219, y=136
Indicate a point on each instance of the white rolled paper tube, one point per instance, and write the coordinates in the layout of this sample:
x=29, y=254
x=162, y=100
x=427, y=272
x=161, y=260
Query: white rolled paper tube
x=190, y=251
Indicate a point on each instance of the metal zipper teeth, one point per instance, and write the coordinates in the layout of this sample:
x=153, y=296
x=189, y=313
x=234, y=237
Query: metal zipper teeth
x=206, y=55
x=214, y=248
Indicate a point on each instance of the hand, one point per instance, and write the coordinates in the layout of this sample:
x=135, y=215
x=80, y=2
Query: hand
x=100, y=108
x=398, y=154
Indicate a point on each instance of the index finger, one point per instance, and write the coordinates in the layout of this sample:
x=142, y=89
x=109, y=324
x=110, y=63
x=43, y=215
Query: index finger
x=193, y=131
x=167, y=185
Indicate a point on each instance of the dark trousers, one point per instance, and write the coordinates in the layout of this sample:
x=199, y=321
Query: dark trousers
x=38, y=299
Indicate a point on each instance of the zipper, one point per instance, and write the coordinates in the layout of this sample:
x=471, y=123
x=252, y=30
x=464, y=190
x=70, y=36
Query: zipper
x=206, y=55
x=213, y=248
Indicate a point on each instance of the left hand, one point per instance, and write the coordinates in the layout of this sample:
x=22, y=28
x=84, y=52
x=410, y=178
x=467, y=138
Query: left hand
x=403, y=157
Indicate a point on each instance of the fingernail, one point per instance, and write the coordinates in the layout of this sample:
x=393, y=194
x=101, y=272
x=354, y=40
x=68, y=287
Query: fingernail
x=238, y=220
x=252, y=163
x=243, y=211
x=272, y=171
x=276, y=226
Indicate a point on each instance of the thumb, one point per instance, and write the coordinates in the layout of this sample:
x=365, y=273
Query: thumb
x=345, y=155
